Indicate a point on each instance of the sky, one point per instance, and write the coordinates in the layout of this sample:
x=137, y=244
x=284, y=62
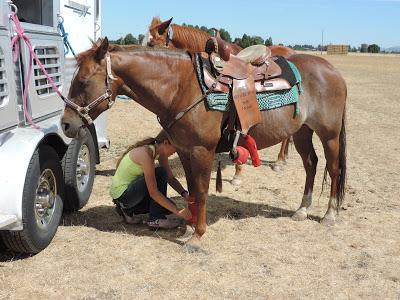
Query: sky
x=290, y=22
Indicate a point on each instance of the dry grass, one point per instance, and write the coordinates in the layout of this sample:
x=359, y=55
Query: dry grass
x=252, y=249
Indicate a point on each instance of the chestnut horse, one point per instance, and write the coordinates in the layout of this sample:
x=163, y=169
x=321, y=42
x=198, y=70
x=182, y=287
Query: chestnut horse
x=166, y=34
x=164, y=81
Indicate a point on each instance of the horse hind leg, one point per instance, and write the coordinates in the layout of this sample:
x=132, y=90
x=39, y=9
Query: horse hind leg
x=304, y=146
x=282, y=156
x=336, y=166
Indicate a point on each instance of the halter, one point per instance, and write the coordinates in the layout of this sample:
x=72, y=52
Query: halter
x=83, y=111
x=170, y=35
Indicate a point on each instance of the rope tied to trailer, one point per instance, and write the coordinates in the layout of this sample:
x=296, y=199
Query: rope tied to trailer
x=82, y=111
x=64, y=35
x=20, y=35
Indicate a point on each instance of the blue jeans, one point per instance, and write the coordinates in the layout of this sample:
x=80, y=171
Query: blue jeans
x=136, y=198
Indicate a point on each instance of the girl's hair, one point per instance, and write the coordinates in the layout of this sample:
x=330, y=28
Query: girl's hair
x=162, y=136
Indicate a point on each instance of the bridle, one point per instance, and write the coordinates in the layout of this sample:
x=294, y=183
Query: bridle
x=83, y=111
x=170, y=35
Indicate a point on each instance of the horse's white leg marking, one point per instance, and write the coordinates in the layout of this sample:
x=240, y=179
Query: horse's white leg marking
x=301, y=213
x=330, y=215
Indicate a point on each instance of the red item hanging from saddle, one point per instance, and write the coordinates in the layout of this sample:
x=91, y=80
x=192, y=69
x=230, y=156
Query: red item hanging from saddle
x=194, y=209
x=250, y=144
x=242, y=156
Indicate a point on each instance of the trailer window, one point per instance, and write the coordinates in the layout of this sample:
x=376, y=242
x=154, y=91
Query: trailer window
x=35, y=11
x=50, y=58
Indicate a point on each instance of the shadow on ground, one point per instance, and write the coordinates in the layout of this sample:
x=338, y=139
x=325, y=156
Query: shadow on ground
x=105, y=218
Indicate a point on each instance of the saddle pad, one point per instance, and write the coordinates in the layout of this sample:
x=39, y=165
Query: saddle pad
x=266, y=100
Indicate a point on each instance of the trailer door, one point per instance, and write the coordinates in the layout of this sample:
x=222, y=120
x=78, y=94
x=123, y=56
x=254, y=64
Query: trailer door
x=40, y=24
x=8, y=99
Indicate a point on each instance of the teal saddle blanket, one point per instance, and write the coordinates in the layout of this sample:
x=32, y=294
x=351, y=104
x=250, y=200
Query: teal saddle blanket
x=266, y=100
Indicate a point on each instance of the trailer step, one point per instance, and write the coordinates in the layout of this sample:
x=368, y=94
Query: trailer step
x=6, y=220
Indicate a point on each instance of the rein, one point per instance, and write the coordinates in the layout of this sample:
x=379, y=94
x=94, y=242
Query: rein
x=83, y=112
x=196, y=102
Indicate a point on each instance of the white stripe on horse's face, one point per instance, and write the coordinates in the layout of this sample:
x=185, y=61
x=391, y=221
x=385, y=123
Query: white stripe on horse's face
x=147, y=38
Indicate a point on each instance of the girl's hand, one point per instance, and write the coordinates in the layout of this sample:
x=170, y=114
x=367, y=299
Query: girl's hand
x=185, y=214
x=185, y=195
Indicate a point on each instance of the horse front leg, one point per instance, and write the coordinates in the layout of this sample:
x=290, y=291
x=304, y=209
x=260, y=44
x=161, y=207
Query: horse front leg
x=236, y=180
x=201, y=161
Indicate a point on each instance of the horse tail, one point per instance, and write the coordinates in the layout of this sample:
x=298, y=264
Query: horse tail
x=341, y=182
x=218, y=183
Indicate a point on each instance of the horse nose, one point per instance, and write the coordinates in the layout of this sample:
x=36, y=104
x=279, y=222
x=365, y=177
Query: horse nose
x=68, y=129
x=65, y=126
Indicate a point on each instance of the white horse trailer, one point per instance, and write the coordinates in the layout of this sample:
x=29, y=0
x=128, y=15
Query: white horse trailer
x=42, y=172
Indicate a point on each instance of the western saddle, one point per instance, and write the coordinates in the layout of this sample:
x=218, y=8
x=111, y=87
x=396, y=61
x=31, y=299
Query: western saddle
x=252, y=70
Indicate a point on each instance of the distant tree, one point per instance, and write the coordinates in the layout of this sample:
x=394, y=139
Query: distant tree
x=374, y=48
x=268, y=42
x=225, y=35
x=364, y=48
x=354, y=49
x=130, y=39
x=280, y=44
x=257, y=40
x=245, y=41
x=205, y=29
x=119, y=41
x=140, y=38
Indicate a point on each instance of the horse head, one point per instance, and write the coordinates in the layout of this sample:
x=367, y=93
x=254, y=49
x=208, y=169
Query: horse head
x=93, y=89
x=159, y=33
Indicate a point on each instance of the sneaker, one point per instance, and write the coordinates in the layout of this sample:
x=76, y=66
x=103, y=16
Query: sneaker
x=164, y=223
x=129, y=219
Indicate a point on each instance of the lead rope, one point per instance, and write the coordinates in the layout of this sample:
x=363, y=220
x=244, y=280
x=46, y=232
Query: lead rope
x=20, y=35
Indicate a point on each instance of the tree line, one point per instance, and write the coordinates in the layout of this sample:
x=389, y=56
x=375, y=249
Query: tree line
x=248, y=40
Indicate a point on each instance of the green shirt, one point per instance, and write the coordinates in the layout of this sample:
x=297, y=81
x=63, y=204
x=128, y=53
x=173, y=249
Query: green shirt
x=127, y=172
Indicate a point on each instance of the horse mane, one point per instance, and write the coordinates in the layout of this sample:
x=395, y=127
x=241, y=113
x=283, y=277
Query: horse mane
x=154, y=22
x=190, y=38
x=83, y=56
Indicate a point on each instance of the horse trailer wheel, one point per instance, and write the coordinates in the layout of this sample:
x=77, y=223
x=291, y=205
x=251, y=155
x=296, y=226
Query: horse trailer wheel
x=42, y=203
x=79, y=170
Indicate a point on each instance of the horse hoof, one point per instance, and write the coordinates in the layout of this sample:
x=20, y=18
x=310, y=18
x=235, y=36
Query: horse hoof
x=236, y=181
x=328, y=221
x=193, y=244
x=186, y=235
x=278, y=166
x=299, y=215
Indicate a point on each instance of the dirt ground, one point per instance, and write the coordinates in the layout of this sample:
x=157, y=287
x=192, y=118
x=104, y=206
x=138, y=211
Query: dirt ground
x=252, y=248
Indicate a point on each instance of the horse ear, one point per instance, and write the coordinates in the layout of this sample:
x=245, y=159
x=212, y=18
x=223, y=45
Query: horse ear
x=102, y=49
x=164, y=26
x=92, y=41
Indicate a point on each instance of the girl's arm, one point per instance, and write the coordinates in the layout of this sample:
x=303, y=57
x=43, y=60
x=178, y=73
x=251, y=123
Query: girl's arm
x=144, y=158
x=172, y=181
